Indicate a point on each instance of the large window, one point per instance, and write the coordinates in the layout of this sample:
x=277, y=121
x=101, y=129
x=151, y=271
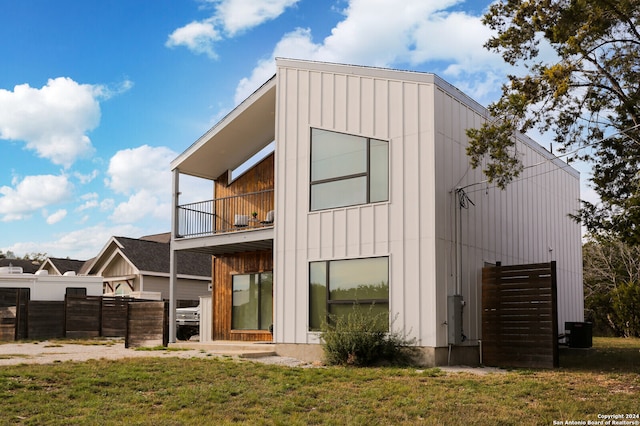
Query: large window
x=336, y=285
x=347, y=170
x=252, y=306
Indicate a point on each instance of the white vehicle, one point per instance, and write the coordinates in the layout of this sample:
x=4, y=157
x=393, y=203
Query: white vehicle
x=187, y=322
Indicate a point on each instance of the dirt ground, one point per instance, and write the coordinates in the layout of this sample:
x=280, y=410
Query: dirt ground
x=51, y=352
x=47, y=352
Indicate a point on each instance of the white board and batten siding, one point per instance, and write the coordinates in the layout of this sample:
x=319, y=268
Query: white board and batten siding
x=528, y=222
x=423, y=118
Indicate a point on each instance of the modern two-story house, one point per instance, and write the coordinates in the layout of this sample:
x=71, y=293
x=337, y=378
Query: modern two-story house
x=367, y=198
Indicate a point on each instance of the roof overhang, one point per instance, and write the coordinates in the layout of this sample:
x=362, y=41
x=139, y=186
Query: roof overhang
x=242, y=133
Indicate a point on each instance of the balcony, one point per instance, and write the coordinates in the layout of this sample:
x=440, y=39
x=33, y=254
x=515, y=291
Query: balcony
x=239, y=213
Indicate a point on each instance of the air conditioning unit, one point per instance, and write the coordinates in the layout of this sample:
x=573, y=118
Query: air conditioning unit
x=11, y=270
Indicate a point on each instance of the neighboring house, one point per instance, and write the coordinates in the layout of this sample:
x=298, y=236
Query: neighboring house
x=362, y=201
x=28, y=266
x=140, y=267
x=58, y=266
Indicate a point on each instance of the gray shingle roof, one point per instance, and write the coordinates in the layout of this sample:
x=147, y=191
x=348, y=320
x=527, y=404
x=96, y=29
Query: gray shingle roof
x=28, y=266
x=153, y=256
x=165, y=237
x=65, y=265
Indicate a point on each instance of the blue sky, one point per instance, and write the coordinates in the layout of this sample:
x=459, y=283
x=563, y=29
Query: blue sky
x=97, y=97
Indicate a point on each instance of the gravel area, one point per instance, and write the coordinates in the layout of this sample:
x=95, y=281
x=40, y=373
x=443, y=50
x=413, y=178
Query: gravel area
x=47, y=352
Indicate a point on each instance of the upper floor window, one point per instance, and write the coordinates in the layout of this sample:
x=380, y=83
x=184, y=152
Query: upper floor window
x=347, y=170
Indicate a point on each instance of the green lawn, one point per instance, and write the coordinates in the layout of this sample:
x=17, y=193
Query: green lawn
x=172, y=391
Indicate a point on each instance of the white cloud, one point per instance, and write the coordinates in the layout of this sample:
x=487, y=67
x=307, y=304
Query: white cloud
x=106, y=92
x=142, y=168
x=56, y=217
x=439, y=38
x=89, y=196
x=90, y=201
x=197, y=37
x=143, y=174
x=241, y=15
x=387, y=32
x=80, y=244
x=31, y=194
x=91, y=204
x=379, y=32
x=296, y=44
x=230, y=18
x=53, y=120
x=140, y=205
x=86, y=178
x=107, y=204
x=193, y=189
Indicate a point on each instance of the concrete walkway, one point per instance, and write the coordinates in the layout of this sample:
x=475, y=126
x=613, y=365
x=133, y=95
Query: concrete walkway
x=229, y=348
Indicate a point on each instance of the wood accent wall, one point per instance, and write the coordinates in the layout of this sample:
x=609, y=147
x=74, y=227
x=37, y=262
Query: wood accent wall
x=259, y=178
x=224, y=267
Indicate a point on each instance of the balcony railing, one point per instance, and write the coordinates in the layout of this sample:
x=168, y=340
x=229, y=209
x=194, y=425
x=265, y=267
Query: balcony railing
x=228, y=214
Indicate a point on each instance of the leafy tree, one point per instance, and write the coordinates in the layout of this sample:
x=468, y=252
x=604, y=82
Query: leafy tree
x=612, y=286
x=38, y=257
x=587, y=93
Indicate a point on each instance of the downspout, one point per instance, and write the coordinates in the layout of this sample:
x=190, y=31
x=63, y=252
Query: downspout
x=173, y=265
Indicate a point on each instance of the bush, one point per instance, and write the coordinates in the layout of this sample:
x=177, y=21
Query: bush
x=360, y=339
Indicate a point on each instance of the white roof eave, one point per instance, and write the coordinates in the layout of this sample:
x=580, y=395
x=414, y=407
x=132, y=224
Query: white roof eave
x=243, y=132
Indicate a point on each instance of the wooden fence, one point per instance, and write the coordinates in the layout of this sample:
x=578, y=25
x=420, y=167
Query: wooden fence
x=45, y=319
x=519, y=316
x=147, y=324
x=13, y=313
x=114, y=316
x=82, y=317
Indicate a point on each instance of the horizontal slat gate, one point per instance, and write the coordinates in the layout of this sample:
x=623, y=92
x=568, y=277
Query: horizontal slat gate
x=519, y=316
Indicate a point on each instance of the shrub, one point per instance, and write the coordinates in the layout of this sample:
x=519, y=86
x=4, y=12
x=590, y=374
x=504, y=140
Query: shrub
x=360, y=339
